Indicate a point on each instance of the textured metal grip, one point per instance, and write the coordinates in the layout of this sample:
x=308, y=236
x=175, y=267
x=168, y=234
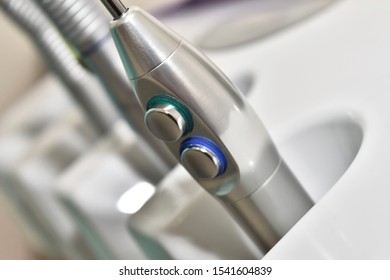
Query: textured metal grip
x=79, y=21
x=62, y=61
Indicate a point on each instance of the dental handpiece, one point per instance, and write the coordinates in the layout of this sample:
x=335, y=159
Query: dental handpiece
x=208, y=126
x=83, y=24
x=84, y=90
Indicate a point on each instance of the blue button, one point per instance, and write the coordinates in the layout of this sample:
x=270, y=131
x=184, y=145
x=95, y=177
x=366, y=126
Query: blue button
x=202, y=157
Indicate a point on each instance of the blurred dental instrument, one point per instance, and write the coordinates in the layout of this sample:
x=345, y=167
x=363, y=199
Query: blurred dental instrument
x=33, y=179
x=208, y=126
x=81, y=85
x=91, y=188
x=53, y=225
x=84, y=26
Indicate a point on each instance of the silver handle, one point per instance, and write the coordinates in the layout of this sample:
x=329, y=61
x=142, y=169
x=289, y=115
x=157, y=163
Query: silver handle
x=225, y=146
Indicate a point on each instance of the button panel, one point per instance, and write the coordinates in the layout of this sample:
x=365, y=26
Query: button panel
x=202, y=158
x=197, y=148
x=209, y=162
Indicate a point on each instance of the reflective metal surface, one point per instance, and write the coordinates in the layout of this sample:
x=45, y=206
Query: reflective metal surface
x=147, y=48
x=200, y=162
x=165, y=123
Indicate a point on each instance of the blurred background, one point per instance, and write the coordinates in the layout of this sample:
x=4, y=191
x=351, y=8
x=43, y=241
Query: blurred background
x=21, y=67
x=20, y=64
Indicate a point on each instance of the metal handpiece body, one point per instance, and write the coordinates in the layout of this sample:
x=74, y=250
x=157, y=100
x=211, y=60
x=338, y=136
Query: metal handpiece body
x=209, y=127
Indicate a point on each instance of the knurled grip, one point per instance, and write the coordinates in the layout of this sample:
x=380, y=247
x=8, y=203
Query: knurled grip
x=78, y=20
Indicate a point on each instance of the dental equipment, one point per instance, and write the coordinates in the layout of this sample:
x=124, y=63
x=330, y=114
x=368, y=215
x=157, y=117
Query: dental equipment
x=208, y=125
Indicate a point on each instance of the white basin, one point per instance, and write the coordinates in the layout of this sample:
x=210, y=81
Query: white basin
x=321, y=150
x=325, y=80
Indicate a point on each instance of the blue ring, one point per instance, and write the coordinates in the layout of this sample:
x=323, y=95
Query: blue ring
x=203, y=142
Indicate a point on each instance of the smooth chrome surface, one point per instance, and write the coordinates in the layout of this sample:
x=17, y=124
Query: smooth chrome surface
x=281, y=200
x=165, y=122
x=187, y=75
x=83, y=24
x=82, y=86
x=143, y=41
x=200, y=162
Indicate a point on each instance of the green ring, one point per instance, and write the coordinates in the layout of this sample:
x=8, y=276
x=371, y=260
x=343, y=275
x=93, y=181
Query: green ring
x=181, y=108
